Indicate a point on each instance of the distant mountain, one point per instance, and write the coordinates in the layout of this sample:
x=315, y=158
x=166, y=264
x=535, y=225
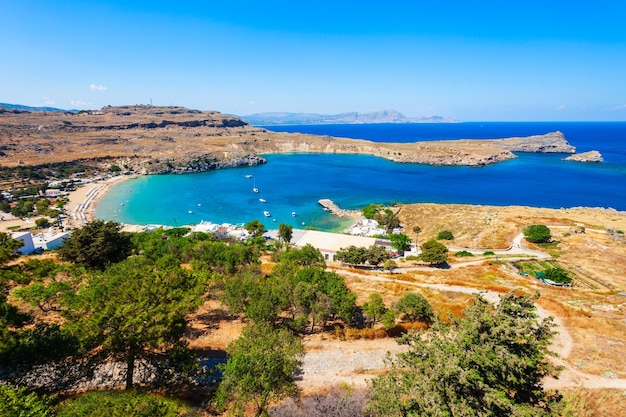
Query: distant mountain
x=20, y=107
x=383, y=116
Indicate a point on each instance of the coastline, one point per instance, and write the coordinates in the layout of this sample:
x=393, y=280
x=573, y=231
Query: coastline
x=82, y=202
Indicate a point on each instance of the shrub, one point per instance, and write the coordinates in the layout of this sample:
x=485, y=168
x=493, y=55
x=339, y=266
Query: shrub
x=463, y=253
x=537, y=233
x=489, y=253
x=445, y=235
x=558, y=275
x=122, y=404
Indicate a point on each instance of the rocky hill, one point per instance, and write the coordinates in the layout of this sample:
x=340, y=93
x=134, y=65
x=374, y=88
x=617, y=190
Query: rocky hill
x=149, y=140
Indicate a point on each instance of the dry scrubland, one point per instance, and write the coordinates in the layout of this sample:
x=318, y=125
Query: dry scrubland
x=594, y=318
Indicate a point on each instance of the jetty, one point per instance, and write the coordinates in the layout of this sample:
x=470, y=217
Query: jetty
x=334, y=209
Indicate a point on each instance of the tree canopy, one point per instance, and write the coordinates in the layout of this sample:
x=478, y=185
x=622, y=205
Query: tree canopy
x=400, y=241
x=537, y=233
x=8, y=246
x=415, y=307
x=135, y=311
x=260, y=369
x=434, y=253
x=490, y=363
x=285, y=232
x=96, y=245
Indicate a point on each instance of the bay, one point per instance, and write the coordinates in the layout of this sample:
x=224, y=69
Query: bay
x=295, y=182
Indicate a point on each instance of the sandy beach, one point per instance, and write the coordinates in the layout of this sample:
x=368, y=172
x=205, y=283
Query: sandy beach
x=82, y=203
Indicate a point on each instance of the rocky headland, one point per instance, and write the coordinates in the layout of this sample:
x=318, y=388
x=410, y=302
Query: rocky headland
x=591, y=156
x=154, y=140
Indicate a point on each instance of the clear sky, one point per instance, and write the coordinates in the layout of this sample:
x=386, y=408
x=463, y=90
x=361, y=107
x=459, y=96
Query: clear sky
x=469, y=60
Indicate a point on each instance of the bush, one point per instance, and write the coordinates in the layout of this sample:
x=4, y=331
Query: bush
x=42, y=223
x=489, y=253
x=16, y=402
x=445, y=235
x=537, y=233
x=463, y=253
x=558, y=275
x=122, y=404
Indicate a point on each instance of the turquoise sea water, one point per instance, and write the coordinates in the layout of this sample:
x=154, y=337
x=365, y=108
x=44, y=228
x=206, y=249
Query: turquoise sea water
x=295, y=182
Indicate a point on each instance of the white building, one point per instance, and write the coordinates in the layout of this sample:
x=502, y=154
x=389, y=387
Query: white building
x=43, y=241
x=328, y=243
x=29, y=246
x=49, y=240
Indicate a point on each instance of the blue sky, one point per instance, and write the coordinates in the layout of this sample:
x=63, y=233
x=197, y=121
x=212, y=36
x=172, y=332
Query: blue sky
x=472, y=61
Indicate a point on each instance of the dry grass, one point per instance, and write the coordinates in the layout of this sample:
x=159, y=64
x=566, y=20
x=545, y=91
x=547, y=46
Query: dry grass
x=595, y=403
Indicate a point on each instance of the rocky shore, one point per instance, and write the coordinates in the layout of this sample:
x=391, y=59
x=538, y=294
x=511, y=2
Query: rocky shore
x=159, y=140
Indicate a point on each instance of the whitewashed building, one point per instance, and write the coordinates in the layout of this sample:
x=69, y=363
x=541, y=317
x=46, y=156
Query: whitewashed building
x=27, y=238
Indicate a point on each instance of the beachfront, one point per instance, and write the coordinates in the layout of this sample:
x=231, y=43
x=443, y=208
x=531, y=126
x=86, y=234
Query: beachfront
x=79, y=209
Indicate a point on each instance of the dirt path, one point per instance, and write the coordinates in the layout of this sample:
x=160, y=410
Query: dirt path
x=330, y=362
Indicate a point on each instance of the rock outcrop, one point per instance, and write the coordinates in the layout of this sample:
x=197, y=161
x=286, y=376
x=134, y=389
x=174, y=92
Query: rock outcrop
x=554, y=142
x=591, y=156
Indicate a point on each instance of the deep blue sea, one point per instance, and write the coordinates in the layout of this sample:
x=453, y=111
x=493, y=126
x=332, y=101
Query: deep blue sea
x=295, y=182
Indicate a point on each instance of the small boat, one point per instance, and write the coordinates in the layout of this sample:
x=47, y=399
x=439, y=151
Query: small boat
x=190, y=212
x=248, y=175
x=261, y=199
x=267, y=214
x=256, y=190
x=293, y=214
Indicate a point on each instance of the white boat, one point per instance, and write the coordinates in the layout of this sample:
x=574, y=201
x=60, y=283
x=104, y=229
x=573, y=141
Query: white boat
x=256, y=190
x=267, y=214
x=248, y=175
x=261, y=199
x=190, y=212
x=293, y=214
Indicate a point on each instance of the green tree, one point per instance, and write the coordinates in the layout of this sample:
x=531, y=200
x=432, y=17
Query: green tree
x=305, y=256
x=370, y=211
x=260, y=369
x=388, y=219
x=558, y=275
x=255, y=228
x=490, y=363
x=400, y=241
x=42, y=205
x=135, y=311
x=445, y=235
x=8, y=247
x=537, y=233
x=42, y=223
x=376, y=254
x=352, y=255
x=415, y=308
x=434, y=253
x=285, y=233
x=96, y=245
x=374, y=308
